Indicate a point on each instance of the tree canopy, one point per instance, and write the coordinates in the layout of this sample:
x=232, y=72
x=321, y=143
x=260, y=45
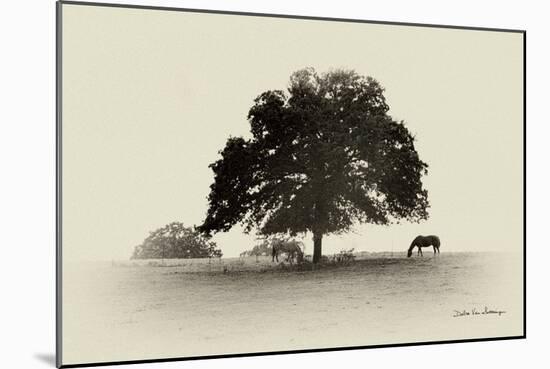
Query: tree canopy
x=176, y=241
x=323, y=156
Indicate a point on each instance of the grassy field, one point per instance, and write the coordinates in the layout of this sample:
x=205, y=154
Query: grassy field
x=173, y=308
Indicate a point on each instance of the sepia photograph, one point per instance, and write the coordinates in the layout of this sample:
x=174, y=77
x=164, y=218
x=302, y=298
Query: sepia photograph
x=237, y=184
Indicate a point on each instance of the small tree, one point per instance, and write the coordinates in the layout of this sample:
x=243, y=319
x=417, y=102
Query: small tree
x=321, y=158
x=176, y=241
x=260, y=250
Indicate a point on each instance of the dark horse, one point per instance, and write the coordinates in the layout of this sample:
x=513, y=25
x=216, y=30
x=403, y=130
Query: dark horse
x=424, y=241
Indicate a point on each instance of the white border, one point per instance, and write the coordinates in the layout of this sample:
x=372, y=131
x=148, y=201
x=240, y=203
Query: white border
x=27, y=157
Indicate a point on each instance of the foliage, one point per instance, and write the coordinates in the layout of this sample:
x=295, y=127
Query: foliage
x=265, y=248
x=176, y=241
x=262, y=249
x=344, y=256
x=322, y=157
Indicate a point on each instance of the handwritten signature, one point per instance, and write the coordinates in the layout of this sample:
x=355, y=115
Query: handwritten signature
x=475, y=312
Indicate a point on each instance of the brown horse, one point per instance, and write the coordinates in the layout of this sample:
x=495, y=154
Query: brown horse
x=424, y=241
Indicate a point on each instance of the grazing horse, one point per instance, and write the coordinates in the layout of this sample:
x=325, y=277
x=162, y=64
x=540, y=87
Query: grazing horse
x=424, y=241
x=292, y=249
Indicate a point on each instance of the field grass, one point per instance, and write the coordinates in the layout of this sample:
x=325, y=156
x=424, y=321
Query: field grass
x=250, y=263
x=173, y=308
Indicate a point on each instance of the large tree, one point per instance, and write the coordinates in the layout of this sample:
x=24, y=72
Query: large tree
x=322, y=157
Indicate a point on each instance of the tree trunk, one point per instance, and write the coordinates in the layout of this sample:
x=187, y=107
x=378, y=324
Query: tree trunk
x=317, y=242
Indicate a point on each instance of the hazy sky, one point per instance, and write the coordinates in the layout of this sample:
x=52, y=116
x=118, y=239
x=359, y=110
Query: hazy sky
x=149, y=97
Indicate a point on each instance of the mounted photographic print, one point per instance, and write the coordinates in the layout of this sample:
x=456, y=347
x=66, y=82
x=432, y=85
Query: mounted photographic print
x=240, y=184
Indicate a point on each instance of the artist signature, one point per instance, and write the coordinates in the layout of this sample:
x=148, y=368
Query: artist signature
x=475, y=312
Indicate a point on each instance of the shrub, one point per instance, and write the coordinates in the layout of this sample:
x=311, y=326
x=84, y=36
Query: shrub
x=344, y=256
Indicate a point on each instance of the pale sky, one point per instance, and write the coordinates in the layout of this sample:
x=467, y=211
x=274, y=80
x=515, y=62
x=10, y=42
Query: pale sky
x=150, y=97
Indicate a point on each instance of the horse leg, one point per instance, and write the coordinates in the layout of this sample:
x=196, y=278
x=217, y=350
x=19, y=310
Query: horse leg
x=434, y=250
x=420, y=249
